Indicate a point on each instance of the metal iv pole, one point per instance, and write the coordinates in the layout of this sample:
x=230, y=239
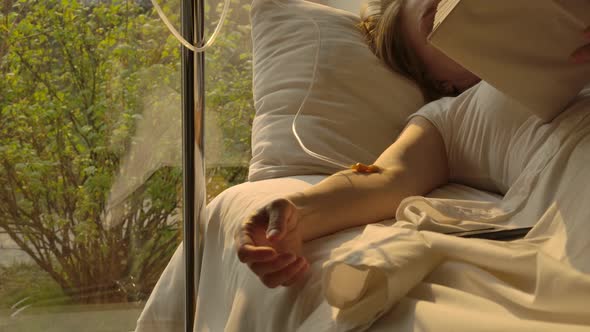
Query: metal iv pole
x=193, y=107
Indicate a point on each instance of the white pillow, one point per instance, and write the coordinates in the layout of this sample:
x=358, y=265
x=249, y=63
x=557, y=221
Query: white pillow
x=357, y=107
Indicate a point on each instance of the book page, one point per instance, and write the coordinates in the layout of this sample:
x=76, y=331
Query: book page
x=443, y=9
x=521, y=47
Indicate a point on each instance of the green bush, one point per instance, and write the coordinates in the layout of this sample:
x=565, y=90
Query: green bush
x=75, y=78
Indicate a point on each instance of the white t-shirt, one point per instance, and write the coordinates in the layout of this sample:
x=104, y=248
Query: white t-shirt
x=489, y=138
x=494, y=144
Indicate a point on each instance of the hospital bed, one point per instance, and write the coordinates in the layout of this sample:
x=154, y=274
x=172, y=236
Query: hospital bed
x=402, y=274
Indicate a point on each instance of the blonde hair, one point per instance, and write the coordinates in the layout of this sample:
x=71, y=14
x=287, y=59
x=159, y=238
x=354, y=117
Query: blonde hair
x=380, y=23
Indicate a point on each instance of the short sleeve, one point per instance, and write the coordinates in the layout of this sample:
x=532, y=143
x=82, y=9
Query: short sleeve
x=477, y=128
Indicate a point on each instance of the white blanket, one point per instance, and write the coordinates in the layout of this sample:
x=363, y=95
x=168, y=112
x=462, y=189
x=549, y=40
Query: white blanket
x=231, y=298
x=403, y=278
x=543, y=278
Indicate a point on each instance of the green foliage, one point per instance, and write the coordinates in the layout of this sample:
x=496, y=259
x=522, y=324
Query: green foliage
x=75, y=78
x=228, y=99
x=229, y=83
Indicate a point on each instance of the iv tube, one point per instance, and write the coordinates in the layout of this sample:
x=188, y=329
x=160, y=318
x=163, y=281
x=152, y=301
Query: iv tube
x=311, y=83
x=184, y=41
x=309, y=90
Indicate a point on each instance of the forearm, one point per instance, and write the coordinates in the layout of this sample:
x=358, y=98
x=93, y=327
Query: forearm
x=414, y=165
x=349, y=199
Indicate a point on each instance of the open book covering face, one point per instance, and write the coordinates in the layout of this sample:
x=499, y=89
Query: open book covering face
x=417, y=17
x=520, y=47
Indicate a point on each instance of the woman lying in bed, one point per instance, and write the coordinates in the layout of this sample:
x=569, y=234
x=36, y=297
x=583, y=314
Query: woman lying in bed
x=271, y=240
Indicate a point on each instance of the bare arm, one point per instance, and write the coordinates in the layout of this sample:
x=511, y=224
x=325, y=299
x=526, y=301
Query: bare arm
x=270, y=241
x=414, y=165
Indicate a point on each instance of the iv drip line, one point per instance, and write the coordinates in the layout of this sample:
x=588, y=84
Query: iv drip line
x=309, y=90
x=311, y=83
x=183, y=41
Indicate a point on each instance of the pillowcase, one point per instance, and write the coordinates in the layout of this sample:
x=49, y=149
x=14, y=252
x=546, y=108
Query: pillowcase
x=357, y=106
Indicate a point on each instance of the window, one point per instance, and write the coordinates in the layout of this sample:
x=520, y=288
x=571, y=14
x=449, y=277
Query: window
x=90, y=153
x=229, y=109
x=89, y=100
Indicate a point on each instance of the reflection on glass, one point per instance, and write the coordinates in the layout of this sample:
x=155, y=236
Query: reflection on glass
x=90, y=150
x=82, y=83
x=229, y=104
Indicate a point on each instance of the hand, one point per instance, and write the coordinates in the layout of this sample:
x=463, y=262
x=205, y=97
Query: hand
x=582, y=54
x=270, y=242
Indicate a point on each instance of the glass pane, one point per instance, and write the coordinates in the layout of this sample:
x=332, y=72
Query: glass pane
x=90, y=183
x=229, y=103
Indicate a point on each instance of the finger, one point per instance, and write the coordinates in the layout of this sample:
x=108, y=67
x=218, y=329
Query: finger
x=264, y=268
x=247, y=248
x=254, y=254
x=249, y=252
x=298, y=276
x=273, y=280
x=279, y=212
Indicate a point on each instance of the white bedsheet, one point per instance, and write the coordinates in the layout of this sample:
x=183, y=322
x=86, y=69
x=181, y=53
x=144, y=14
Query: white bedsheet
x=427, y=282
x=232, y=299
x=543, y=279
